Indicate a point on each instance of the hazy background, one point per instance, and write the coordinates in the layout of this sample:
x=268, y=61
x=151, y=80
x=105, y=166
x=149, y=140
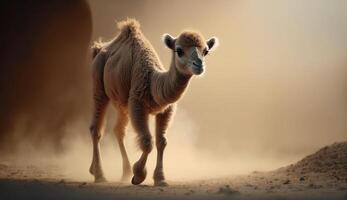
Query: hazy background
x=274, y=91
x=44, y=71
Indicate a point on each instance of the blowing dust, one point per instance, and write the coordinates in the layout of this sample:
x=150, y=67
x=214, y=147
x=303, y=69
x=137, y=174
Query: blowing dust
x=183, y=159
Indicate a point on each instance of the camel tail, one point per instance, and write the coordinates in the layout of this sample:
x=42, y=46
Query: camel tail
x=96, y=48
x=129, y=26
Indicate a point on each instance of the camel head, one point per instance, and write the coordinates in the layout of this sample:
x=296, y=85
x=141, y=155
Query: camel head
x=190, y=49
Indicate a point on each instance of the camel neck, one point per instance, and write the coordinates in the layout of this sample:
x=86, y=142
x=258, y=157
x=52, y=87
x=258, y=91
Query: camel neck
x=168, y=87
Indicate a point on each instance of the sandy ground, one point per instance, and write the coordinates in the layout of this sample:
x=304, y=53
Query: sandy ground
x=322, y=175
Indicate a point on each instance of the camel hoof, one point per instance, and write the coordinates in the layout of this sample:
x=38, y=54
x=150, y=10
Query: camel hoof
x=140, y=174
x=136, y=180
x=100, y=179
x=161, y=183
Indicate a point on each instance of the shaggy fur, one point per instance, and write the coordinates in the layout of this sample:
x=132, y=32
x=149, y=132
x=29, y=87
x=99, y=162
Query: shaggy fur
x=128, y=73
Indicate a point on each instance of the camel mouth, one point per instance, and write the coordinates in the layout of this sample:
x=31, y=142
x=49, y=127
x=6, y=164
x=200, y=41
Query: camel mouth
x=197, y=69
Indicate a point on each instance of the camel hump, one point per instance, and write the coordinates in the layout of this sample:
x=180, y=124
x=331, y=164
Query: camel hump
x=129, y=26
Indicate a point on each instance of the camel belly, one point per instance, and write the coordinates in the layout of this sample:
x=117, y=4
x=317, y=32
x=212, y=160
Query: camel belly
x=117, y=84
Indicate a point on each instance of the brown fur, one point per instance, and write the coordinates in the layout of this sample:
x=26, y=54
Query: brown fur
x=191, y=38
x=128, y=73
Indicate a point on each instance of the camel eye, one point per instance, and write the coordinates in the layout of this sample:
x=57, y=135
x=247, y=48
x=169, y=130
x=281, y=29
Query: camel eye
x=180, y=52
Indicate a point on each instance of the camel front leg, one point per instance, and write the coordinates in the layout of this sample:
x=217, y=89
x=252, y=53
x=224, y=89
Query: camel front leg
x=139, y=118
x=162, y=123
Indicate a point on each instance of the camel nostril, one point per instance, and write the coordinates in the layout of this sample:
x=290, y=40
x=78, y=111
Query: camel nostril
x=197, y=64
x=199, y=61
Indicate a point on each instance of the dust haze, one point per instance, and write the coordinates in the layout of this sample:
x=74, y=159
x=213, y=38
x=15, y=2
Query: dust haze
x=274, y=91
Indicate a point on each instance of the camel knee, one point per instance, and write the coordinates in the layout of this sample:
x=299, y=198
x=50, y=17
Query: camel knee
x=145, y=143
x=95, y=132
x=161, y=142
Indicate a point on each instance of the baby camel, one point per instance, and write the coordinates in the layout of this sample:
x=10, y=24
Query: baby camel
x=128, y=73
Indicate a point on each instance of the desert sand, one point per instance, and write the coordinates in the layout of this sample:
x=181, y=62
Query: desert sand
x=322, y=175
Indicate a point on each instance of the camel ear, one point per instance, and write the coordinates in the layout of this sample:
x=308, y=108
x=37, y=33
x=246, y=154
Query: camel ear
x=169, y=41
x=212, y=43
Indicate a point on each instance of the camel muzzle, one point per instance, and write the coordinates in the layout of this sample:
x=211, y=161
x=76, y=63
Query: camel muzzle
x=198, y=68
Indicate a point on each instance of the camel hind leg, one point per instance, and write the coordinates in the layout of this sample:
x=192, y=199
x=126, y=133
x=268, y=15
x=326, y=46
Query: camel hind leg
x=96, y=130
x=100, y=104
x=119, y=130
